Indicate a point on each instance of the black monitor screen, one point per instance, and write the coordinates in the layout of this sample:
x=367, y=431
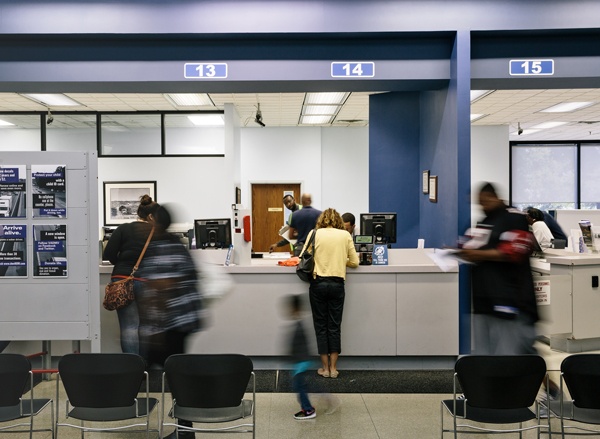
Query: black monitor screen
x=212, y=233
x=380, y=225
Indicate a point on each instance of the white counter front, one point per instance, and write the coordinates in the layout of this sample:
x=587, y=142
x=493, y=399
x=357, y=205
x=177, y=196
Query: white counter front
x=409, y=307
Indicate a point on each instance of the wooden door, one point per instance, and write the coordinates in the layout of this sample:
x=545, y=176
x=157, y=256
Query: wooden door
x=269, y=213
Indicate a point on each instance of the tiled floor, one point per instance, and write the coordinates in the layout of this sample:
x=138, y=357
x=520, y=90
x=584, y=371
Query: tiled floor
x=360, y=416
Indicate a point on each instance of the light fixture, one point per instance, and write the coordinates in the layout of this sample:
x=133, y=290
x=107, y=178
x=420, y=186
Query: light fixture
x=567, y=107
x=315, y=120
x=321, y=109
x=330, y=98
x=548, y=125
x=212, y=120
x=4, y=123
x=478, y=94
x=189, y=99
x=52, y=100
x=258, y=117
x=475, y=116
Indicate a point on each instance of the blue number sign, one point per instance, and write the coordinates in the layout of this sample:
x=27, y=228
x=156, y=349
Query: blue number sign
x=531, y=67
x=205, y=70
x=352, y=69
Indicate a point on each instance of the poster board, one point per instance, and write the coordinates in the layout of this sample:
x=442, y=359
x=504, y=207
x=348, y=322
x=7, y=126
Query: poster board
x=62, y=305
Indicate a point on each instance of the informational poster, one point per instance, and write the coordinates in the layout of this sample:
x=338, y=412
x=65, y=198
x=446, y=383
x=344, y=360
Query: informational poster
x=380, y=254
x=49, y=191
x=13, y=190
x=13, y=250
x=50, y=250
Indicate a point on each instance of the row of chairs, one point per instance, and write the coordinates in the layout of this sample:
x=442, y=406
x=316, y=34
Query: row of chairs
x=491, y=393
x=104, y=393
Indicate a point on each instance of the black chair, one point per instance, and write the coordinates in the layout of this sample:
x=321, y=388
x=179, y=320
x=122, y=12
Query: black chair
x=209, y=389
x=497, y=390
x=581, y=375
x=16, y=379
x=104, y=388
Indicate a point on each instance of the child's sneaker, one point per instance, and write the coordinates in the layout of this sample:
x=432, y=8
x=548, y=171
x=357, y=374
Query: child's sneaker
x=305, y=414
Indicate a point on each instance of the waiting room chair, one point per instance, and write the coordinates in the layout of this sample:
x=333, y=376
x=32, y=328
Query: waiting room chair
x=580, y=374
x=498, y=390
x=103, y=388
x=209, y=389
x=17, y=411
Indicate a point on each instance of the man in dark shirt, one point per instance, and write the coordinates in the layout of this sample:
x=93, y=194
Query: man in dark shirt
x=504, y=304
x=303, y=221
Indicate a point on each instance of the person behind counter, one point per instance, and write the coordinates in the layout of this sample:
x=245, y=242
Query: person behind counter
x=350, y=224
x=123, y=250
x=333, y=252
x=303, y=222
x=542, y=233
x=290, y=203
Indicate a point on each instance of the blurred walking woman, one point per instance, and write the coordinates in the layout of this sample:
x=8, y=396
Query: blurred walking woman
x=123, y=250
x=333, y=252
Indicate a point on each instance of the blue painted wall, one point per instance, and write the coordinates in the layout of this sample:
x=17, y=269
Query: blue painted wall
x=394, y=175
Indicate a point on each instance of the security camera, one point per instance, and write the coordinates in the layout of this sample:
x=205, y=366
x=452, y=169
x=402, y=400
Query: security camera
x=258, y=117
x=520, y=131
x=49, y=118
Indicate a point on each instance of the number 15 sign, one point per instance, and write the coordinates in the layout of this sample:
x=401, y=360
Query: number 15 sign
x=531, y=67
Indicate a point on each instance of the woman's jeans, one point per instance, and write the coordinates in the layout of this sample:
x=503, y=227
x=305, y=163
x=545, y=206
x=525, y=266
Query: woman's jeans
x=327, y=303
x=129, y=322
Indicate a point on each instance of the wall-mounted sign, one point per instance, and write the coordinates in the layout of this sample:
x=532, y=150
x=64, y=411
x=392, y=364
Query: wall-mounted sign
x=352, y=69
x=542, y=291
x=13, y=187
x=13, y=250
x=49, y=191
x=50, y=250
x=205, y=70
x=531, y=67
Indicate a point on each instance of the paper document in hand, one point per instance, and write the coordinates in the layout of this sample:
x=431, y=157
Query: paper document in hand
x=446, y=259
x=284, y=232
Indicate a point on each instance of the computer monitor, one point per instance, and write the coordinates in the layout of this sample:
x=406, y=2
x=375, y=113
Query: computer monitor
x=212, y=233
x=381, y=225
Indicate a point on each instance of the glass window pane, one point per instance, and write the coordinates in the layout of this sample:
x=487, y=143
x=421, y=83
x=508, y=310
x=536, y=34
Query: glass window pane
x=544, y=176
x=20, y=133
x=131, y=134
x=590, y=176
x=198, y=134
x=71, y=133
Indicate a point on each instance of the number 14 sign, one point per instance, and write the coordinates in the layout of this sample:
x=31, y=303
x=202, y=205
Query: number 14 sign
x=352, y=69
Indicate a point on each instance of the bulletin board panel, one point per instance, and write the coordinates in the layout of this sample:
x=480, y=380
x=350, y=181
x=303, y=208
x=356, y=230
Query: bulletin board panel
x=57, y=307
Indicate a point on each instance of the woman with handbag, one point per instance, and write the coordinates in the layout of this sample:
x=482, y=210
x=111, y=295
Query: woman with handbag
x=333, y=251
x=123, y=251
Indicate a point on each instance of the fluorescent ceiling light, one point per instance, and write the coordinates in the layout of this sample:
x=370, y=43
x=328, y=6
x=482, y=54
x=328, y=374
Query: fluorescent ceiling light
x=321, y=109
x=478, y=94
x=336, y=98
x=567, y=107
x=207, y=120
x=53, y=100
x=525, y=132
x=189, y=99
x=315, y=120
x=547, y=125
x=4, y=123
x=475, y=117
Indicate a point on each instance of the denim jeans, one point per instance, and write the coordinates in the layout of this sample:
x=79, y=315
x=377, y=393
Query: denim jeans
x=129, y=323
x=327, y=304
x=301, y=388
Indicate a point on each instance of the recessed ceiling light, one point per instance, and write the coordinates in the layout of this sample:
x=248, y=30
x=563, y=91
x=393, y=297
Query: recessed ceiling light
x=4, y=123
x=211, y=120
x=315, y=120
x=53, y=100
x=321, y=109
x=475, y=117
x=335, y=98
x=567, y=107
x=189, y=99
x=478, y=94
x=547, y=125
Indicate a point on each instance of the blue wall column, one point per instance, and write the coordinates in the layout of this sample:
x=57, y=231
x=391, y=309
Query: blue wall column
x=394, y=175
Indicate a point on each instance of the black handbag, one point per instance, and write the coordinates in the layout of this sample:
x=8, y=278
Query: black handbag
x=306, y=267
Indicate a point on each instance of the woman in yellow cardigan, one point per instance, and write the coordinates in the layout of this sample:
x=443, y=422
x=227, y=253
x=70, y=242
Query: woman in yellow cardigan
x=333, y=252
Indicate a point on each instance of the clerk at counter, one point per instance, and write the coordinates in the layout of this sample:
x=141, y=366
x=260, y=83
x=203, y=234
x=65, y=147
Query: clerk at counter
x=303, y=222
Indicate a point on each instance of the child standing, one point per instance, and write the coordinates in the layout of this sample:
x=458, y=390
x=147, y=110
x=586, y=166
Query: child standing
x=301, y=358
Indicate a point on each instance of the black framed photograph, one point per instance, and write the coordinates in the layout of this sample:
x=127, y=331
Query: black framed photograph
x=122, y=199
x=426, y=182
x=238, y=195
x=433, y=187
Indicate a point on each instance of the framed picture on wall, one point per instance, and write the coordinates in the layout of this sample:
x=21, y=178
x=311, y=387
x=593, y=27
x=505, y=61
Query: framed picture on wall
x=433, y=188
x=426, y=182
x=122, y=198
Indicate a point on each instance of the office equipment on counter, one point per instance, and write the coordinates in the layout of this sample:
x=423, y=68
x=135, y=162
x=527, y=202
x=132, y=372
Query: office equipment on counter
x=363, y=244
x=381, y=225
x=212, y=233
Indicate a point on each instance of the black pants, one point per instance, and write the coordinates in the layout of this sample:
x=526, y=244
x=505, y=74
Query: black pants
x=327, y=303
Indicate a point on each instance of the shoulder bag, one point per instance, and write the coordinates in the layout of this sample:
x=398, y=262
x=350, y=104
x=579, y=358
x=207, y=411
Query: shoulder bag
x=306, y=266
x=119, y=294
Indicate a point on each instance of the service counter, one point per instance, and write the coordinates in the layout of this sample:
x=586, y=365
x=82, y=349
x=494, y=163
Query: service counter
x=406, y=308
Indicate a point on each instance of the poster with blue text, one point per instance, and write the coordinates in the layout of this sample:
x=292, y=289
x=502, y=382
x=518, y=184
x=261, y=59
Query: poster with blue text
x=13, y=250
x=49, y=193
x=50, y=250
x=13, y=190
